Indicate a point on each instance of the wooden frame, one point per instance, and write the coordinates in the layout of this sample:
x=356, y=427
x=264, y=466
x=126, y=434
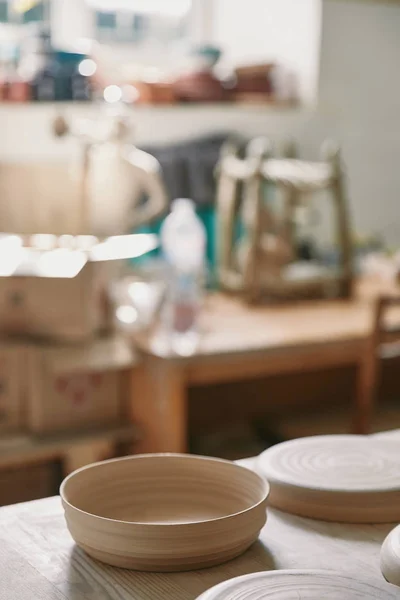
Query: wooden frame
x=383, y=343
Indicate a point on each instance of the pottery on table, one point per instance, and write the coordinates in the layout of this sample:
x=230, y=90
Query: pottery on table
x=390, y=557
x=297, y=584
x=164, y=512
x=387, y=435
x=343, y=478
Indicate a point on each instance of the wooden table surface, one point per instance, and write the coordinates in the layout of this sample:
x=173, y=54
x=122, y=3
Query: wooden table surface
x=241, y=343
x=39, y=561
x=229, y=326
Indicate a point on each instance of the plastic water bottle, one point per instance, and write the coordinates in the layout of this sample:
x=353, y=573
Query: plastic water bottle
x=183, y=240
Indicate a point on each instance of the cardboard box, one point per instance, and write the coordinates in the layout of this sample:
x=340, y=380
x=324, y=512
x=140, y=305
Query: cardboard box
x=12, y=386
x=57, y=287
x=78, y=388
x=70, y=310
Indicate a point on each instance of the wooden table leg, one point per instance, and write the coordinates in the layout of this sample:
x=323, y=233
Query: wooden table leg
x=159, y=406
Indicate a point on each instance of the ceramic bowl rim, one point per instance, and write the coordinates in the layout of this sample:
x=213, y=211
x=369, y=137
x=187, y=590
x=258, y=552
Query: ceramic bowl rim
x=262, y=501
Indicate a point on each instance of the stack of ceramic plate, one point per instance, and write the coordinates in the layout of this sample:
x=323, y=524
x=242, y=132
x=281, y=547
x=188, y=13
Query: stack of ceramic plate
x=341, y=478
x=289, y=585
x=390, y=557
x=165, y=512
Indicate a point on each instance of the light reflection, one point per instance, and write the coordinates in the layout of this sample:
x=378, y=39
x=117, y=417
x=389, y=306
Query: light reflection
x=127, y=314
x=124, y=246
x=61, y=263
x=112, y=93
x=86, y=242
x=129, y=93
x=140, y=292
x=87, y=67
x=43, y=241
x=11, y=254
x=66, y=241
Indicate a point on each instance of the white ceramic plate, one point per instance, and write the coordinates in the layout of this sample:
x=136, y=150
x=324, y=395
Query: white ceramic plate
x=300, y=585
x=335, y=477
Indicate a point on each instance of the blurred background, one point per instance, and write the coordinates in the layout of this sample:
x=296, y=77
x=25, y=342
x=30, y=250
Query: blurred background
x=278, y=120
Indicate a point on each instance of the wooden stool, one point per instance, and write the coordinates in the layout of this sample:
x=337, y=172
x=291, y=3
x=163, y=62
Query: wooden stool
x=255, y=267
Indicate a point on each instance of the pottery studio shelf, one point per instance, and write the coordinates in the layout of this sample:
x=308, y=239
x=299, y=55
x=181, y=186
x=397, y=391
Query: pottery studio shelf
x=178, y=106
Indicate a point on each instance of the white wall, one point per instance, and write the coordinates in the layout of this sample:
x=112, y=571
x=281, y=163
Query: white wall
x=285, y=31
x=359, y=100
x=26, y=131
x=70, y=20
x=359, y=105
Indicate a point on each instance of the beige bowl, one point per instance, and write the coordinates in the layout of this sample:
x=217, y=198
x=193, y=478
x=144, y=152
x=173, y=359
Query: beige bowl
x=164, y=512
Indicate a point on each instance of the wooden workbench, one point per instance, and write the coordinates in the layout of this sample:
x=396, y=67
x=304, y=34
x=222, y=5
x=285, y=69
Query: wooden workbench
x=39, y=561
x=240, y=343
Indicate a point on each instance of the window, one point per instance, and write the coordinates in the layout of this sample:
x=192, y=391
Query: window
x=36, y=14
x=20, y=12
x=3, y=12
x=140, y=21
x=120, y=26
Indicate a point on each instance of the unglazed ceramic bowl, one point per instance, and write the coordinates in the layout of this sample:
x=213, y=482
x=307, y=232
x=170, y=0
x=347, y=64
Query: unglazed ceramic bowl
x=164, y=512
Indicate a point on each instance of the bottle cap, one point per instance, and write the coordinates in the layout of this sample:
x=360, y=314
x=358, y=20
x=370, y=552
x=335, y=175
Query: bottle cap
x=182, y=204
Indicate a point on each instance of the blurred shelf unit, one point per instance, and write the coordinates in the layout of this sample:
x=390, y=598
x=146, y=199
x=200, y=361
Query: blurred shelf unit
x=176, y=107
x=27, y=133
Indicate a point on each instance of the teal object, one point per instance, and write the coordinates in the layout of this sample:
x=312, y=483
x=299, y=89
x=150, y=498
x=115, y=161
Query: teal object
x=211, y=54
